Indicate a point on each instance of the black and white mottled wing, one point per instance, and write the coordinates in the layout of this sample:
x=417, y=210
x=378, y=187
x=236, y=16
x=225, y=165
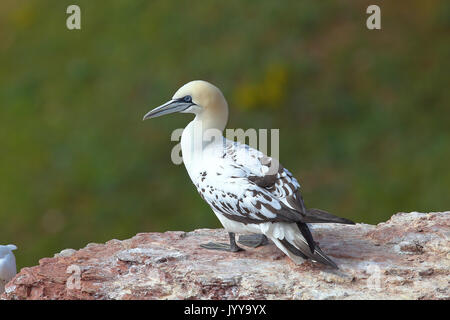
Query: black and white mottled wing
x=249, y=187
x=244, y=185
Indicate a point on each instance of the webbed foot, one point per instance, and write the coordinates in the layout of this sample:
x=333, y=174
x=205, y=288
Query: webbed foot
x=232, y=247
x=253, y=240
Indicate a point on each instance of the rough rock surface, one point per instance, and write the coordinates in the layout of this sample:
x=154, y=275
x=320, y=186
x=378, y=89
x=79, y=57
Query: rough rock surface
x=408, y=257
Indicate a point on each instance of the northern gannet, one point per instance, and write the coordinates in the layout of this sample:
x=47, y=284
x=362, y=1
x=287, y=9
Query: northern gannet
x=248, y=191
x=7, y=265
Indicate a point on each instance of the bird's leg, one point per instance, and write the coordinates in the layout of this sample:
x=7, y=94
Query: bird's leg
x=232, y=247
x=253, y=240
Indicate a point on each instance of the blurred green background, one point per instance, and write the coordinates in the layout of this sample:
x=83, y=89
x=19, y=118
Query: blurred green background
x=363, y=115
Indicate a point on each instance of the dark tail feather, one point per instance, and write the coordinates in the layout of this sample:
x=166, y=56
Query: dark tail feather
x=305, y=253
x=307, y=235
x=323, y=258
x=321, y=216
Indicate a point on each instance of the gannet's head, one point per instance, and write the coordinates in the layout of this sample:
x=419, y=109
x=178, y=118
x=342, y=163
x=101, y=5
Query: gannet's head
x=199, y=97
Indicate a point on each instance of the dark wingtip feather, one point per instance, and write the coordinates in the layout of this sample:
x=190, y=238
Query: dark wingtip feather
x=321, y=216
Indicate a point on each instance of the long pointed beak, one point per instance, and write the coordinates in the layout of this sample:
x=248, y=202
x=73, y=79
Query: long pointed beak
x=171, y=106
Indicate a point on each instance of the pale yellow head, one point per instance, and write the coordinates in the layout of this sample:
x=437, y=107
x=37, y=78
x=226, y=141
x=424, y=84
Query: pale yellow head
x=201, y=98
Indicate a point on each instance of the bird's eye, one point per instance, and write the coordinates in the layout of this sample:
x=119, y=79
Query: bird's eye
x=187, y=99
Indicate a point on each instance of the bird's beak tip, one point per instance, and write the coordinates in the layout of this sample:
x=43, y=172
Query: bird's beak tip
x=146, y=116
x=171, y=106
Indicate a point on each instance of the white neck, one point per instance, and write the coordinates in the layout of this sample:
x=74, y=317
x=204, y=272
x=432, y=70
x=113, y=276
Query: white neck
x=204, y=133
x=199, y=135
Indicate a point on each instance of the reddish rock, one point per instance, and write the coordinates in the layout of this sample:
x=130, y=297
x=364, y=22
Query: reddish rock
x=408, y=257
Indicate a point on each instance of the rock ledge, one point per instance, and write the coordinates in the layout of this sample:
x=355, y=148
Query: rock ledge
x=407, y=257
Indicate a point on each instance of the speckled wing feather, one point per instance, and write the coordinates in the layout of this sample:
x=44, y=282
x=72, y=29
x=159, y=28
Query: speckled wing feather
x=247, y=186
x=243, y=189
x=280, y=182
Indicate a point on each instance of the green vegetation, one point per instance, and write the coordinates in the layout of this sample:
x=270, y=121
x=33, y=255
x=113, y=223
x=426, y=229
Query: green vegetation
x=363, y=115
